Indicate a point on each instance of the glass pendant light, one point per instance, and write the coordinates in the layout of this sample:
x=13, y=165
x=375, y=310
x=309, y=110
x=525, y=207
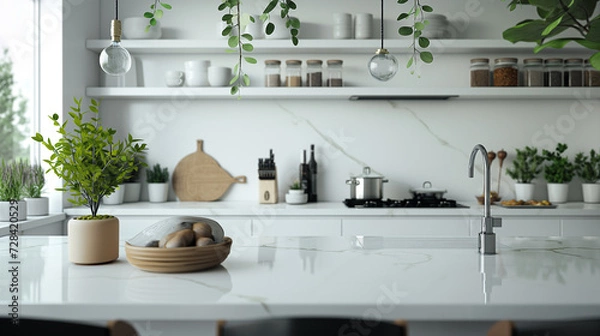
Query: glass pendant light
x=383, y=65
x=114, y=59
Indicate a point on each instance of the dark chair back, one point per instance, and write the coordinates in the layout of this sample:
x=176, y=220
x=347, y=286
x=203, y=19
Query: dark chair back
x=30, y=327
x=550, y=328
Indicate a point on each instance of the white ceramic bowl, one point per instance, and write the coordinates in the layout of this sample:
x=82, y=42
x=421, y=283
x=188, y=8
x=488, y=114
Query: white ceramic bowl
x=219, y=76
x=135, y=28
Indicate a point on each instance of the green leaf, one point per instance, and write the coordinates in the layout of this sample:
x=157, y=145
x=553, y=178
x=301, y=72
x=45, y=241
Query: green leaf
x=247, y=36
x=402, y=16
x=159, y=14
x=551, y=26
x=246, y=80
x=295, y=22
x=595, y=60
x=233, y=41
x=234, y=90
x=270, y=6
x=402, y=1
x=419, y=26
x=153, y=22
x=38, y=137
x=588, y=44
x=166, y=5
x=250, y=60
x=527, y=31
x=410, y=62
x=426, y=57
x=227, y=18
x=226, y=31
x=405, y=31
x=148, y=15
x=270, y=28
x=423, y=42
x=427, y=9
x=247, y=47
x=557, y=44
x=295, y=40
x=222, y=6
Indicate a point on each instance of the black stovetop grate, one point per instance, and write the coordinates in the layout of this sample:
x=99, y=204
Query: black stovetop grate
x=404, y=203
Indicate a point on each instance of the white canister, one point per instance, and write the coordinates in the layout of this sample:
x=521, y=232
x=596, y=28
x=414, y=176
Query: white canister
x=363, y=26
x=196, y=72
x=255, y=28
x=342, y=26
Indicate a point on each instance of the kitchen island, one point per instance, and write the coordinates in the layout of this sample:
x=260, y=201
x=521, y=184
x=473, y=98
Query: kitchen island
x=430, y=282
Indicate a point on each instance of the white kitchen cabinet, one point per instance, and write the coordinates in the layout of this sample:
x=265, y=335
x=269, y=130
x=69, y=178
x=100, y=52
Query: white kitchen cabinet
x=586, y=226
x=406, y=226
x=522, y=226
x=157, y=48
x=296, y=226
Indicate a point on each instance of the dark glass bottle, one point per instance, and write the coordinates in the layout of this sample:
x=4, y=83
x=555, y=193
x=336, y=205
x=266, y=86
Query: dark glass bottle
x=312, y=167
x=304, y=173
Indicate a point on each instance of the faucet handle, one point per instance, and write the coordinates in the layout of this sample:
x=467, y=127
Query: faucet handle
x=488, y=223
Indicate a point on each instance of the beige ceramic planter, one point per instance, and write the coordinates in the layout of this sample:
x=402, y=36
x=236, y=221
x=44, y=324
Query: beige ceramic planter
x=93, y=241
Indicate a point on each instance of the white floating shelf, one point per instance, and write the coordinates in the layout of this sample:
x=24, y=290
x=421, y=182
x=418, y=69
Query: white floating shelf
x=399, y=46
x=353, y=93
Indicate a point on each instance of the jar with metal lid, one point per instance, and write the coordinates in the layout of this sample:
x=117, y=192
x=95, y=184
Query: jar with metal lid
x=506, y=72
x=533, y=72
x=272, y=73
x=553, y=72
x=480, y=72
x=314, y=73
x=591, y=75
x=334, y=73
x=293, y=72
x=573, y=72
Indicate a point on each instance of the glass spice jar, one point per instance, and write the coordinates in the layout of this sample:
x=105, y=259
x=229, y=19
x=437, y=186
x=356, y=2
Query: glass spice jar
x=272, y=73
x=533, y=72
x=334, y=73
x=314, y=73
x=573, y=72
x=553, y=72
x=480, y=72
x=293, y=70
x=506, y=72
x=591, y=75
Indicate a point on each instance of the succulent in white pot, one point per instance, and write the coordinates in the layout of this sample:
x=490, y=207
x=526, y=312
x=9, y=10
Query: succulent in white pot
x=526, y=166
x=37, y=205
x=588, y=169
x=158, y=183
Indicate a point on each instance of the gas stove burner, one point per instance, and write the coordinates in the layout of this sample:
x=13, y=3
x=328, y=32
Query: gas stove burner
x=417, y=202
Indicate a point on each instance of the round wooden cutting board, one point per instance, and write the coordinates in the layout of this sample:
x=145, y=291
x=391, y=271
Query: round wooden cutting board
x=199, y=177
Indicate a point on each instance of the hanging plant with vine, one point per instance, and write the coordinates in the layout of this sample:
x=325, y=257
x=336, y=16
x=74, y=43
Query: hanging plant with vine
x=156, y=12
x=419, y=42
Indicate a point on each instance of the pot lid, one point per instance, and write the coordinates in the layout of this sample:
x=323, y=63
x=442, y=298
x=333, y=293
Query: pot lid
x=427, y=187
x=367, y=173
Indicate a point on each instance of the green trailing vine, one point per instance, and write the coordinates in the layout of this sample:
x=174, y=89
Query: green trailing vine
x=156, y=12
x=419, y=42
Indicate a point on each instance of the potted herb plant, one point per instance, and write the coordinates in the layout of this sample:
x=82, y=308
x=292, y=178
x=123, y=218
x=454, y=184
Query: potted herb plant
x=527, y=166
x=12, y=205
x=296, y=194
x=92, y=163
x=588, y=169
x=158, y=183
x=32, y=191
x=133, y=185
x=558, y=172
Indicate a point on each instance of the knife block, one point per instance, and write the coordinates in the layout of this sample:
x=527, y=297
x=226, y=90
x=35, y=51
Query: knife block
x=267, y=191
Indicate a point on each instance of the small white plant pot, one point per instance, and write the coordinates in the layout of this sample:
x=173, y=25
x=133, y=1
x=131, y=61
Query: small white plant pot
x=38, y=206
x=132, y=192
x=591, y=192
x=296, y=197
x=13, y=211
x=158, y=192
x=524, y=191
x=558, y=192
x=116, y=197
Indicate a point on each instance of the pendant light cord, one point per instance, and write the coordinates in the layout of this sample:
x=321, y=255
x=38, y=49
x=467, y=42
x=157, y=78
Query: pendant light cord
x=381, y=33
x=116, y=9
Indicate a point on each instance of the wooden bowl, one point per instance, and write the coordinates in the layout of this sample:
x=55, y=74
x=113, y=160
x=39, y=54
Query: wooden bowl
x=493, y=198
x=179, y=259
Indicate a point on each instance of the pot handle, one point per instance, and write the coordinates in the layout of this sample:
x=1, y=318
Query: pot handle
x=353, y=182
x=427, y=184
x=385, y=181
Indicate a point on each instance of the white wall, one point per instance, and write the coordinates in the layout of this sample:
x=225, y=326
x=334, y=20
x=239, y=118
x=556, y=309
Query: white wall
x=406, y=141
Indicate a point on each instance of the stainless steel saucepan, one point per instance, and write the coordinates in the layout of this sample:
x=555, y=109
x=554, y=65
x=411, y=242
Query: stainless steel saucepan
x=366, y=186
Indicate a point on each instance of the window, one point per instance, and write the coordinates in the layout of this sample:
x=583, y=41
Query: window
x=18, y=80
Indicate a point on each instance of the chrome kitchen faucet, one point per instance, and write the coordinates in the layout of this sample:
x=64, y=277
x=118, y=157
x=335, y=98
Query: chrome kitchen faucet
x=487, y=237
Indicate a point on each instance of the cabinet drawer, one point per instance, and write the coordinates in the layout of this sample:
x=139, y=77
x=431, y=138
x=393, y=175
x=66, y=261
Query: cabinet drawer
x=522, y=226
x=296, y=227
x=406, y=226
x=581, y=227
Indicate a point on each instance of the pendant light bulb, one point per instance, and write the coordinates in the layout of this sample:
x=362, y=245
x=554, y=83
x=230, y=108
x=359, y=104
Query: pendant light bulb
x=114, y=59
x=383, y=65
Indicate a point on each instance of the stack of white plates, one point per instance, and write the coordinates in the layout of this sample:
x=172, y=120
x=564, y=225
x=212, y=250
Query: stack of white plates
x=437, y=27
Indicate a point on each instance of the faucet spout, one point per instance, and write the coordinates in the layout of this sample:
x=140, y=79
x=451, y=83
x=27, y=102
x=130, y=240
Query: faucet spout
x=487, y=237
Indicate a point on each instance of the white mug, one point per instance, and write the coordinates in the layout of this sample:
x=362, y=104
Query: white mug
x=174, y=78
x=255, y=28
x=363, y=26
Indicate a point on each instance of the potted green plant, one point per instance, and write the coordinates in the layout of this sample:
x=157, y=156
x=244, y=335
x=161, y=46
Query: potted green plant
x=527, y=166
x=133, y=185
x=92, y=163
x=588, y=169
x=296, y=194
x=12, y=206
x=558, y=172
x=32, y=191
x=158, y=183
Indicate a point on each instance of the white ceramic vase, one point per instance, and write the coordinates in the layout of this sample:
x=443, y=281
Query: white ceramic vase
x=158, y=192
x=93, y=241
x=296, y=196
x=11, y=210
x=37, y=206
x=558, y=192
x=116, y=197
x=132, y=192
x=591, y=192
x=524, y=191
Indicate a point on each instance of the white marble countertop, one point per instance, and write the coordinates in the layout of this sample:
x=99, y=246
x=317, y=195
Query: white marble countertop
x=415, y=279
x=248, y=208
